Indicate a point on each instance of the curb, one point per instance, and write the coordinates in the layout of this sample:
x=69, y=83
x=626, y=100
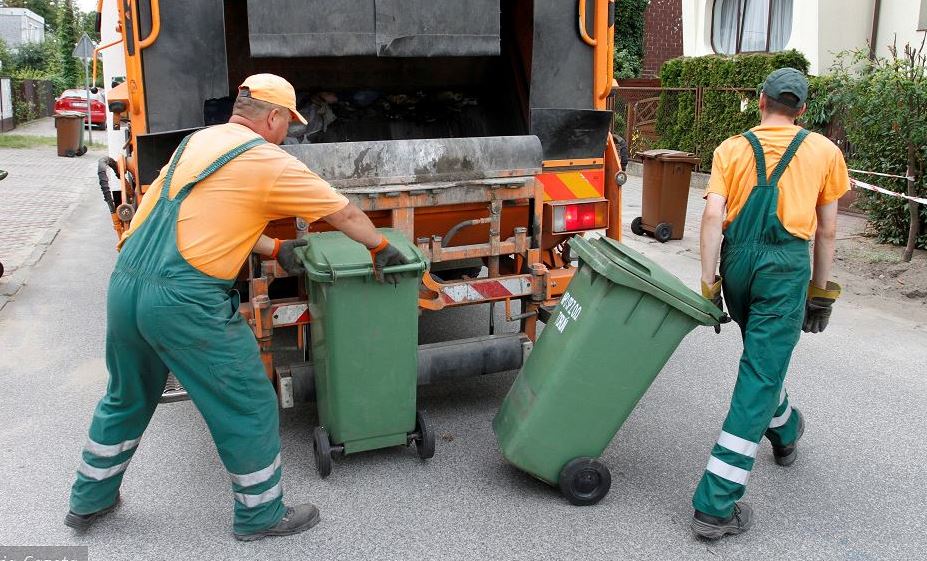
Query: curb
x=10, y=287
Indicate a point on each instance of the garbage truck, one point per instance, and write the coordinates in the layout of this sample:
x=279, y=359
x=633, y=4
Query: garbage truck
x=480, y=129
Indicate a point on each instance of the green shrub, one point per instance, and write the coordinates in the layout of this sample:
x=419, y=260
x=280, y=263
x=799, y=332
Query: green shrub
x=629, y=37
x=722, y=113
x=884, y=104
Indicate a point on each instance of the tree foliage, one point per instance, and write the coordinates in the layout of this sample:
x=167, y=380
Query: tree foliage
x=883, y=104
x=629, y=37
x=67, y=35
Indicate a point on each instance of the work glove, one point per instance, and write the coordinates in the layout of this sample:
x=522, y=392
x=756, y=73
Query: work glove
x=818, y=307
x=712, y=293
x=383, y=256
x=287, y=258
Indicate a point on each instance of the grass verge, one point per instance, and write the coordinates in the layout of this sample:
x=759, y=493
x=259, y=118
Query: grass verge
x=28, y=141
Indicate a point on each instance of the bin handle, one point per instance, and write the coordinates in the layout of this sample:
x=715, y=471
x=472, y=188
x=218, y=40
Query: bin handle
x=405, y=268
x=625, y=258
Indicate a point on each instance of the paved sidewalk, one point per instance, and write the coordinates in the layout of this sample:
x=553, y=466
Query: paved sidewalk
x=39, y=127
x=36, y=200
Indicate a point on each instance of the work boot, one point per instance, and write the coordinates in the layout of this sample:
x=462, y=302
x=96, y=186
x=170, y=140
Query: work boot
x=786, y=455
x=83, y=521
x=713, y=527
x=297, y=519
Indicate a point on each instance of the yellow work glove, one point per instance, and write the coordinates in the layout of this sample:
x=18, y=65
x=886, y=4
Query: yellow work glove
x=818, y=306
x=712, y=292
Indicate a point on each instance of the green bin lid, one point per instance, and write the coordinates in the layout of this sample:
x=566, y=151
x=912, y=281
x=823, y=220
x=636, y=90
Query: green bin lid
x=332, y=255
x=623, y=265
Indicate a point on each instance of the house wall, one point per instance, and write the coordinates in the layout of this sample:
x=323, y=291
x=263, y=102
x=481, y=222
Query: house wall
x=845, y=25
x=19, y=26
x=899, y=17
x=662, y=34
x=820, y=28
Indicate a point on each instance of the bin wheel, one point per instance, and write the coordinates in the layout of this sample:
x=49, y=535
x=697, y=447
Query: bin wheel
x=585, y=481
x=424, y=436
x=1, y=269
x=663, y=232
x=637, y=226
x=82, y=150
x=322, y=448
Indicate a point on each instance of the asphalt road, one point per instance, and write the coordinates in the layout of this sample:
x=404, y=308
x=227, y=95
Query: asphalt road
x=856, y=493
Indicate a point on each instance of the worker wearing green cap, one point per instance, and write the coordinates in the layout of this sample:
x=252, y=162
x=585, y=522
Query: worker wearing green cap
x=771, y=190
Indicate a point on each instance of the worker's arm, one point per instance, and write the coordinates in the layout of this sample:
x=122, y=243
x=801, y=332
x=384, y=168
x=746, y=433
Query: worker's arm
x=355, y=224
x=265, y=246
x=711, y=234
x=824, y=240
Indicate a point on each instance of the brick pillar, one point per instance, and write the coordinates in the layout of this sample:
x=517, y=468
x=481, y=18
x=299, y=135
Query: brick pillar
x=662, y=35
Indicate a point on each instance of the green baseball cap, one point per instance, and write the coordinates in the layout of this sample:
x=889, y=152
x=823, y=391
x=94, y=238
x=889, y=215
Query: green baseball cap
x=787, y=80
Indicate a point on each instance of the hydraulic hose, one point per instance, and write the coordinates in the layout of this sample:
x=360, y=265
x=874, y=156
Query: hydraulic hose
x=102, y=164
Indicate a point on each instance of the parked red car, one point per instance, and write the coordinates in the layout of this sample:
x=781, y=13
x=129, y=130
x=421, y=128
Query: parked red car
x=76, y=100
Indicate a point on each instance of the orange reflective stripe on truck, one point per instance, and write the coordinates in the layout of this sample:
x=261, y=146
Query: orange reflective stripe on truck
x=588, y=184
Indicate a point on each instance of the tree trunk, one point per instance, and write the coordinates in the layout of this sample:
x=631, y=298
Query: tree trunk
x=914, y=230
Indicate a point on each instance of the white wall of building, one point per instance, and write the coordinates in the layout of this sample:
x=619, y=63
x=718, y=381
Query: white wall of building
x=901, y=18
x=19, y=26
x=820, y=28
x=114, y=64
x=845, y=25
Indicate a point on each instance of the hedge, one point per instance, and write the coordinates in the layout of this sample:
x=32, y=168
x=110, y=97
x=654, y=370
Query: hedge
x=721, y=114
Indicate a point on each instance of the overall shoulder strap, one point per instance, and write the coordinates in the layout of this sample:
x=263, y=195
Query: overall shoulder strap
x=216, y=165
x=787, y=157
x=166, y=187
x=758, y=156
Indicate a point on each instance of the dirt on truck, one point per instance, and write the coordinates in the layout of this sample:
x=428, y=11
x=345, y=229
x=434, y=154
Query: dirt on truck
x=480, y=129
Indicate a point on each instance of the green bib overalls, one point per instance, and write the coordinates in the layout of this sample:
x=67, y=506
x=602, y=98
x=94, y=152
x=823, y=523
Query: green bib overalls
x=165, y=315
x=766, y=272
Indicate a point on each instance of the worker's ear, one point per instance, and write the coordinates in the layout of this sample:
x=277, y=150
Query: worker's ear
x=804, y=109
x=762, y=101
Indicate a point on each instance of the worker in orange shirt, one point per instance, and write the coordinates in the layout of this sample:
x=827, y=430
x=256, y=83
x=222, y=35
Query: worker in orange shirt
x=171, y=306
x=766, y=222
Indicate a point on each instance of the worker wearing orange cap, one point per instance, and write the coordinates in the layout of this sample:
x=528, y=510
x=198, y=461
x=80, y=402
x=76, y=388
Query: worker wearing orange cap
x=171, y=306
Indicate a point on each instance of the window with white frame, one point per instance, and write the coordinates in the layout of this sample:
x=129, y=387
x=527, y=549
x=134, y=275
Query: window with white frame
x=749, y=26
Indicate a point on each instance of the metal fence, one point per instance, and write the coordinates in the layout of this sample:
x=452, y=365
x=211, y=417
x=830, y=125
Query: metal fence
x=33, y=99
x=692, y=119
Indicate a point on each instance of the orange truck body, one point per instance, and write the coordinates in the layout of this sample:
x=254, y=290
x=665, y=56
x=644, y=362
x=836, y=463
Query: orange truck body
x=511, y=217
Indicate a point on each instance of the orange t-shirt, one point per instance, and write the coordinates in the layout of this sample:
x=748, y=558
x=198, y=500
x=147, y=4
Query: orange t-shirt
x=225, y=214
x=816, y=176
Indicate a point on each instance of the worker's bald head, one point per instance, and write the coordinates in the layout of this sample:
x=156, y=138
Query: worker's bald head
x=267, y=119
x=253, y=109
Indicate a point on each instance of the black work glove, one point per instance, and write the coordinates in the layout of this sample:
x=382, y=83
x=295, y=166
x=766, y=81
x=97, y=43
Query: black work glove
x=287, y=256
x=818, y=307
x=713, y=293
x=383, y=256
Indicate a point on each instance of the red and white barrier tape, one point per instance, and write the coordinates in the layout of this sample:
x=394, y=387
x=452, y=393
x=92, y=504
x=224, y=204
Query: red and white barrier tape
x=877, y=189
x=889, y=175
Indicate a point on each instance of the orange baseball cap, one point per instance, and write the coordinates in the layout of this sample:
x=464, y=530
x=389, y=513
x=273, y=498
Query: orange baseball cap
x=272, y=89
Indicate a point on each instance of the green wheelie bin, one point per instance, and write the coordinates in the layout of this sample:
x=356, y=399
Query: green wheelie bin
x=364, y=340
x=617, y=324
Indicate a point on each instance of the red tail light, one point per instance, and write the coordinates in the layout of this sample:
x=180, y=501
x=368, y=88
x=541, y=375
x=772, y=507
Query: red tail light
x=569, y=216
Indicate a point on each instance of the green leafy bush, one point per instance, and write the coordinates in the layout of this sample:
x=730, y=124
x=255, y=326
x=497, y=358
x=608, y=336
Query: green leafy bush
x=629, y=37
x=728, y=102
x=883, y=103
